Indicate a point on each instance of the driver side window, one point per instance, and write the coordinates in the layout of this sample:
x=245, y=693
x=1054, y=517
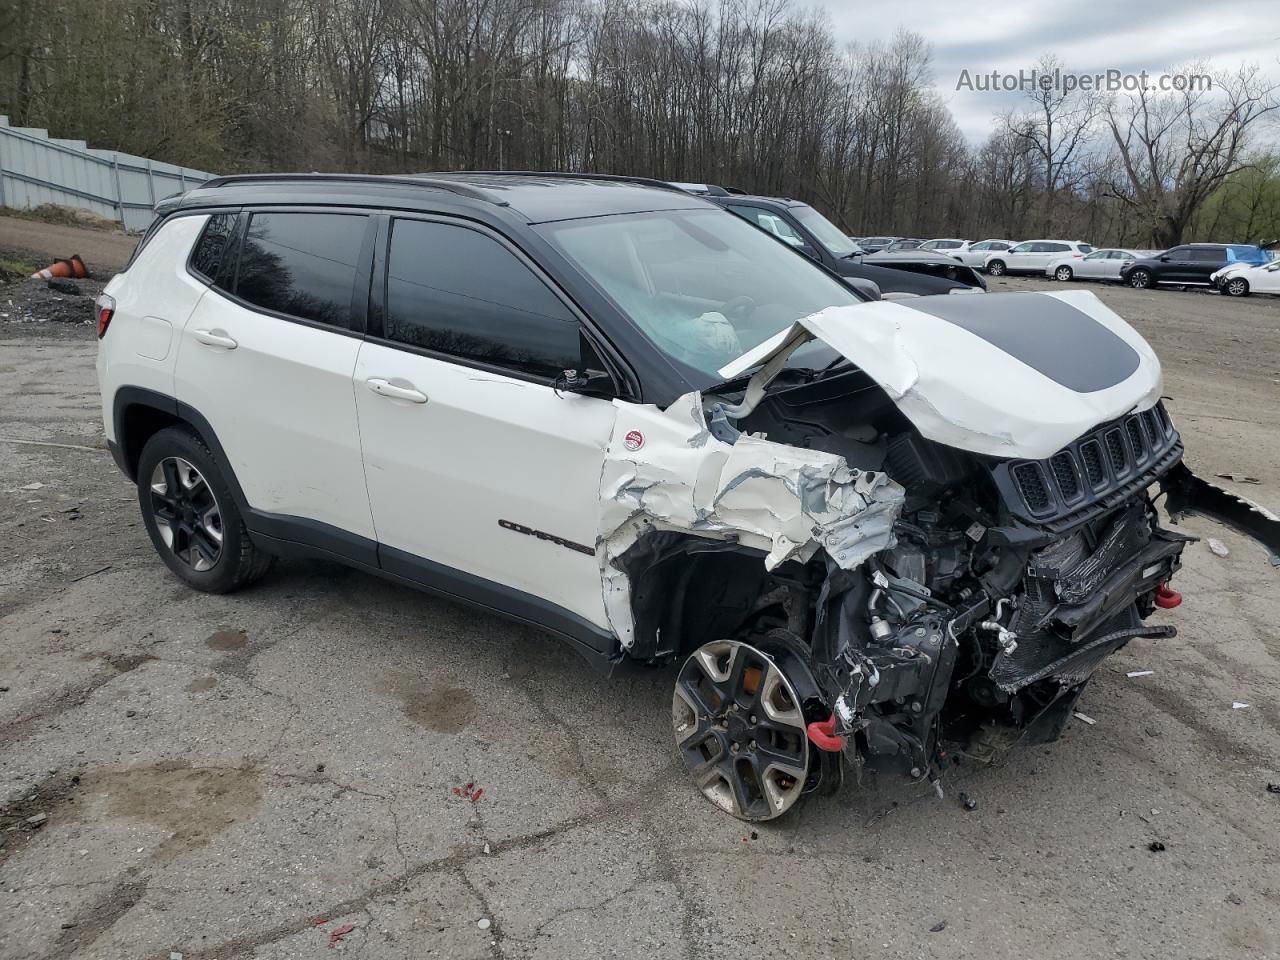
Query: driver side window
x=1022, y=248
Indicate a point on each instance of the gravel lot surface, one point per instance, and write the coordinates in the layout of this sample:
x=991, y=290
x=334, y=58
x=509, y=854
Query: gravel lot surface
x=218, y=775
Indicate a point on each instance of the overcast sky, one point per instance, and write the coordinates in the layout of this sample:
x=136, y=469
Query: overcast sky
x=1088, y=36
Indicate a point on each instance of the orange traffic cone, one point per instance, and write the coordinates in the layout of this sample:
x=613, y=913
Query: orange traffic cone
x=73, y=267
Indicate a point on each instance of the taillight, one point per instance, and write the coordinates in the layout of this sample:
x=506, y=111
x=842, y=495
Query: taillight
x=106, y=307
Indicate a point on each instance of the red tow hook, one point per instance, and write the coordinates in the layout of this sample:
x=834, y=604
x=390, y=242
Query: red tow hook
x=1166, y=598
x=822, y=733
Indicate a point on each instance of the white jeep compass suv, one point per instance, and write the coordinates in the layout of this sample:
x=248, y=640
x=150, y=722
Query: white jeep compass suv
x=863, y=529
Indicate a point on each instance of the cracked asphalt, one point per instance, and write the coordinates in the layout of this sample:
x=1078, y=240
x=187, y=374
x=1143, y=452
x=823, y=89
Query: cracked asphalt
x=250, y=775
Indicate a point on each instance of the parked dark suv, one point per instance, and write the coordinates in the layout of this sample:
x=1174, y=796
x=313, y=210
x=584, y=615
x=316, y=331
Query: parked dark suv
x=1192, y=263
x=804, y=228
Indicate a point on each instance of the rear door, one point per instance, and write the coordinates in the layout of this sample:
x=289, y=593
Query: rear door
x=1204, y=262
x=480, y=472
x=267, y=358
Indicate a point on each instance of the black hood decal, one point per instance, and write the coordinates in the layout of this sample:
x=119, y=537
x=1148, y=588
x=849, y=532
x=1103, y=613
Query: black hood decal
x=1065, y=344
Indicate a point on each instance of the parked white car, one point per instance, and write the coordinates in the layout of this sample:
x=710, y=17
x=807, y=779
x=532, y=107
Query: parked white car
x=1032, y=256
x=949, y=246
x=1242, y=279
x=1099, y=265
x=975, y=254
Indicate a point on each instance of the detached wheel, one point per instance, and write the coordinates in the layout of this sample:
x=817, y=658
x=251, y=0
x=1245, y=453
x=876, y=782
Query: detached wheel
x=1140, y=279
x=1062, y=273
x=1236, y=287
x=996, y=268
x=740, y=729
x=192, y=518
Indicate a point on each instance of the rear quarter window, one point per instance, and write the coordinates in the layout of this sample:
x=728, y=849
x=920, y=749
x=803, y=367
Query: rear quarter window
x=208, y=253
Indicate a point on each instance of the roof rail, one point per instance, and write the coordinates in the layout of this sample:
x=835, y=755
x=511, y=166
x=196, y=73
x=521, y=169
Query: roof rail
x=563, y=175
x=421, y=180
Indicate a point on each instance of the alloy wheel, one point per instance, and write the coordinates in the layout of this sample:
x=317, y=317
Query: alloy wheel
x=739, y=727
x=186, y=513
x=1140, y=279
x=1063, y=273
x=1237, y=287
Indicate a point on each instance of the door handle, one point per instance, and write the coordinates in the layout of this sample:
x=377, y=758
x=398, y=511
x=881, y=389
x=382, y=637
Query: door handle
x=216, y=338
x=385, y=388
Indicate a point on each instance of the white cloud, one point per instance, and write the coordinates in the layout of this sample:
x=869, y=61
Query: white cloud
x=1008, y=35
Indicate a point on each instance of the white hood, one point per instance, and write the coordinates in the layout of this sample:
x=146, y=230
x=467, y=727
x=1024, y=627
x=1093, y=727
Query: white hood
x=1010, y=375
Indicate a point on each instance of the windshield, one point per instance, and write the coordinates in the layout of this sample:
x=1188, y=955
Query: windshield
x=702, y=285
x=828, y=234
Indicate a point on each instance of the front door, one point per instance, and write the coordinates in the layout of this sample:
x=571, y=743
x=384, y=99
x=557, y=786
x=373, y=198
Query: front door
x=483, y=478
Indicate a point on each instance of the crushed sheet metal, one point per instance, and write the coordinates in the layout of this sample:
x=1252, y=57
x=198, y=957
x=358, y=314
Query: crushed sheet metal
x=783, y=500
x=964, y=391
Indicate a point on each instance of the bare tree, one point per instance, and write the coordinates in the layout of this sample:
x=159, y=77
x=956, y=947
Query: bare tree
x=1176, y=149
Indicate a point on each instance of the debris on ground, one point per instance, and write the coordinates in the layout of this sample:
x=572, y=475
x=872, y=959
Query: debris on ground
x=938, y=927
x=337, y=934
x=1238, y=478
x=1155, y=846
x=1235, y=898
x=1237, y=705
x=61, y=285
x=319, y=921
x=1083, y=718
x=967, y=802
x=1273, y=788
x=34, y=485
x=469, y=792
x=483, y=923
x=1217, y=547
x=1139, y=673
x=38, y=821
x=35, y=301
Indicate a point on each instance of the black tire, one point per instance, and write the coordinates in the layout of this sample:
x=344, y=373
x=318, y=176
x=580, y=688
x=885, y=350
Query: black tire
x=1236, y=287
x=207, y=518
x=1140, y=279
x=1063, y=273
x=996, y=268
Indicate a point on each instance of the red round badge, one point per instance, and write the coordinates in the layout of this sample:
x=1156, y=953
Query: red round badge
x=633, y=440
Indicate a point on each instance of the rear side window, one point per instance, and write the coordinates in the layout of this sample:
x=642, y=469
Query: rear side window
x=999, y=246
x=1086, y=248
x=302, y=264
x=206, y=258
x=459, y=292
x=1208, y=256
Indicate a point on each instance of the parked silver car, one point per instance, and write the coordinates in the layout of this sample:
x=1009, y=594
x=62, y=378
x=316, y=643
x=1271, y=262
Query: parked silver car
x=1100, y=265
x=975, y=254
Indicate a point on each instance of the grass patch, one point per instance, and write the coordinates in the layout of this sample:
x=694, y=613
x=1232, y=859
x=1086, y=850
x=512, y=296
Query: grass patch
x=12, y=271
x=62, y=216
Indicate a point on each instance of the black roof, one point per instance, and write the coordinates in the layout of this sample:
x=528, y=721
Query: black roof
x=533, y=197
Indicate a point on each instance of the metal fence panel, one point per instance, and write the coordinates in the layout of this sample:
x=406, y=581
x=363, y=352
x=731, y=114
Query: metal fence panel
x=36, y=169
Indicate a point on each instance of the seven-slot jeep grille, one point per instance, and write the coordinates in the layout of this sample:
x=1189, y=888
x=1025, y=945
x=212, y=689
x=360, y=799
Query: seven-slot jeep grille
x=1092, y=473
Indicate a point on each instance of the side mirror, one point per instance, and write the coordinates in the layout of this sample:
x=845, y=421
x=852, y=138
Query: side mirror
x=868, y=288
x=589, y=379
x=1164, y=257
x=589, y=383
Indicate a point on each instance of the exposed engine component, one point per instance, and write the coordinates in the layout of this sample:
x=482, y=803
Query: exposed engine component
x=978, y=618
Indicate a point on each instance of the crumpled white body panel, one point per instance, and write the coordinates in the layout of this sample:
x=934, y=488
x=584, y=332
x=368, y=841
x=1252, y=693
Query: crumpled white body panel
x=786, y=501
x=961, y=390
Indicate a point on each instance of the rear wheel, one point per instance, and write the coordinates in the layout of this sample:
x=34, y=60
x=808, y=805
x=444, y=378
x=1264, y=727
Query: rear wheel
x=996, y=268
x=191, y=517
x=1140, y=279
x=1236, y=287
x=1062, y=273
x=740, y=728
